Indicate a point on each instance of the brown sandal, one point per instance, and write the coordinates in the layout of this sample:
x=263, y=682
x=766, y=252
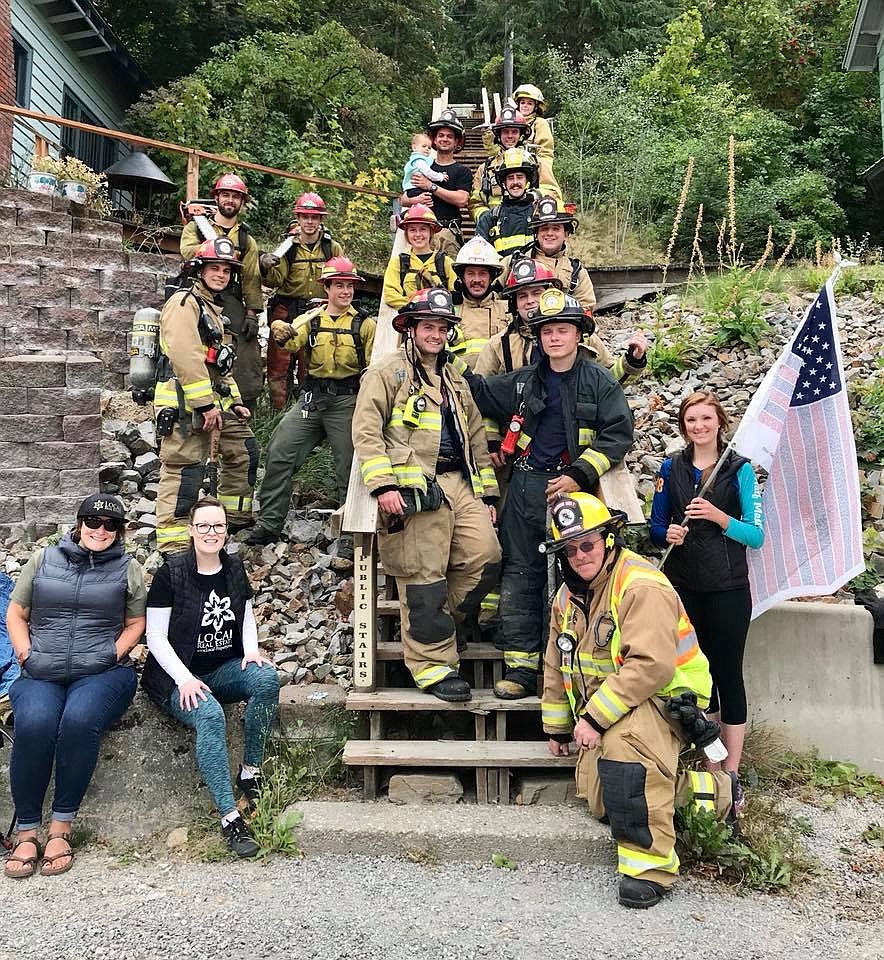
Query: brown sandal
x=29, y=862
x=46, y=868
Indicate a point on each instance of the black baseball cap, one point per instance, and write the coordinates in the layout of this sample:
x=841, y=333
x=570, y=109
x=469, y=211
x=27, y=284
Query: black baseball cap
x=102, y=505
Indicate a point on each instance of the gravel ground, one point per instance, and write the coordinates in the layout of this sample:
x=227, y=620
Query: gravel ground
x=354, y=907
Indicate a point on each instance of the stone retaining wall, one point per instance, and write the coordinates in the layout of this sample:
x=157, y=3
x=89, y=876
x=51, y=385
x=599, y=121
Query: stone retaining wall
x=68, y=284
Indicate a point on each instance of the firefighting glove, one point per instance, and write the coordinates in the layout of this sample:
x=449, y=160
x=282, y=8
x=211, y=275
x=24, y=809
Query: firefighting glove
x=282, y=331
x=416, y=501
x=250, y=327
x=698, y=729
x=267, y=261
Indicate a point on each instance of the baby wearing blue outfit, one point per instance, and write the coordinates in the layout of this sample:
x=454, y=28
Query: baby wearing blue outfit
x=419, y=162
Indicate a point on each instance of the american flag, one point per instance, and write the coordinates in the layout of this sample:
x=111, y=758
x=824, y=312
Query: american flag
x=797, y=427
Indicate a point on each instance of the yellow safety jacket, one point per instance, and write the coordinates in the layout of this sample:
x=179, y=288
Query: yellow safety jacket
x=253, y=297
x=634, y=642
x=397, y=425
x=540, y=143
x=480, y=320
x=336, y=347
x=297, y=273
x=187, y=320
x=409, y=272
x=486, y=192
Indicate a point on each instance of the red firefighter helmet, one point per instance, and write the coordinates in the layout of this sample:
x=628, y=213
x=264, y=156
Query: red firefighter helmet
x=525, y=272
x=419, y=213
x=339, y=268
x=433, y=303
x=219, y=250
x=310, y=203
x=230, y=181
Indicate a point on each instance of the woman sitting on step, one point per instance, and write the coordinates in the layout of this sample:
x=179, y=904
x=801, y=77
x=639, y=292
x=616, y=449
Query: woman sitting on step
x=203, y=643
x=75, y=613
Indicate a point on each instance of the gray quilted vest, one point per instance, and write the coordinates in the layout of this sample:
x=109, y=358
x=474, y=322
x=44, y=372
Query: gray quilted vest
x=78, y=609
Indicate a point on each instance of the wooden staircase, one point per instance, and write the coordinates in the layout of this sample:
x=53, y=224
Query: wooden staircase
x=489, y=756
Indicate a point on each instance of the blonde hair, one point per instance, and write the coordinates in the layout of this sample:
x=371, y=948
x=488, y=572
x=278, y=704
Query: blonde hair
x=418, y=138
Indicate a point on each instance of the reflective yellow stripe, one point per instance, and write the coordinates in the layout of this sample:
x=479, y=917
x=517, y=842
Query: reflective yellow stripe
x=165, y=396
x=512, y=242
x=596, y=668
x=490, y=601
x=636, y=862
x=618, y=369
x=410, y=477
x=585, y=436
x=518, y=658
x=231, y=401
x=608, y=704
x=598, y=461
x=375, y=467
x=196, y=388
x=469, y=347
x=478, y=486
x=428, y=420
x=703, y=785
x=167, y=535
x=555, y=714
x=430, y=675
x=491, y=426
x=236, y=504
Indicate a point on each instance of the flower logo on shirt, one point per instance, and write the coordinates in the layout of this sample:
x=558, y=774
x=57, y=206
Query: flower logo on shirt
x=216, y=611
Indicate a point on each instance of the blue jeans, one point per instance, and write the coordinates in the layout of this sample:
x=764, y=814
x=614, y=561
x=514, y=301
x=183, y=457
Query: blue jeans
x=229, y=683
x=62, y=722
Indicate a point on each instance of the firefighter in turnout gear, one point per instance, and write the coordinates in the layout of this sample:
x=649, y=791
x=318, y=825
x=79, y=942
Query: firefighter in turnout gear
x=620, y=647
x=295, y=276
x=338, y=341
x=506, y=225
x=196, y=396
x=243, y=299
x=567, y=422
x=509, y=130
x=482, y=313
x=423, y=455
x=421, y=266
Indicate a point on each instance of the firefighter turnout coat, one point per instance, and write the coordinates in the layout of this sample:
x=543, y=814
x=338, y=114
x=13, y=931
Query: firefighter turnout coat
x=444, y=559
x=190, y=328
x=617, y=646
x=480, y=320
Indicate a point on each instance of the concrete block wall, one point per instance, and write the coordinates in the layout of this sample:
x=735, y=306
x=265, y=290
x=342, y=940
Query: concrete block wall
x=50, y=430
x=68, y=284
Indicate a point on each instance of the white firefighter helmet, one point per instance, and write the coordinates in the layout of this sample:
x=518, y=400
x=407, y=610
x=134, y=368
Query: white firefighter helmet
x=478, y=252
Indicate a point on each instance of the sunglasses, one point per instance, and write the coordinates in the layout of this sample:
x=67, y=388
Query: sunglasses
x=111, y=524
x=584, y=546
x=204, y=528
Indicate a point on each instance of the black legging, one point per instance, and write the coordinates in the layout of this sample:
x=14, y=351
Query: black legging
x=721, y=619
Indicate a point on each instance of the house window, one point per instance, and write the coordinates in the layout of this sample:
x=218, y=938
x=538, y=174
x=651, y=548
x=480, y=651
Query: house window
x=23, y=56
x=96, y=151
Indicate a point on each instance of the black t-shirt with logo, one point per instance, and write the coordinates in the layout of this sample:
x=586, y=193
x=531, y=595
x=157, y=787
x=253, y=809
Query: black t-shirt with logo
x=220, y=636
x=459, y=178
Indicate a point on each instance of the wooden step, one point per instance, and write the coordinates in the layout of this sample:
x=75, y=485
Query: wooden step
x=410, y=698
x=452, y=753
x=475, y=651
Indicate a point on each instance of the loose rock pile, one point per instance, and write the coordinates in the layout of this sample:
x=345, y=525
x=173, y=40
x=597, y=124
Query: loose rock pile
x=303, y=588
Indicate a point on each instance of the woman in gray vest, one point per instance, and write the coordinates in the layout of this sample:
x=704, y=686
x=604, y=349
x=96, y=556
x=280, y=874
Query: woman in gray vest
x=76, y=612
x=203, y=643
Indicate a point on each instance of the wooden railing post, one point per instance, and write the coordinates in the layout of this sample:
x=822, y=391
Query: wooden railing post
x=193, y=175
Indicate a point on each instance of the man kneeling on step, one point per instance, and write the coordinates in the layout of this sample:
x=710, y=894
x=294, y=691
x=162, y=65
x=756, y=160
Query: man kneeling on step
x=422, y=452
x=621, y=650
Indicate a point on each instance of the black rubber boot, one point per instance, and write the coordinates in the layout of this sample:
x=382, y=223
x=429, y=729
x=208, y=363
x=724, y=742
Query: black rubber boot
x=452, y=690
x=261, y=536
x=639, y=894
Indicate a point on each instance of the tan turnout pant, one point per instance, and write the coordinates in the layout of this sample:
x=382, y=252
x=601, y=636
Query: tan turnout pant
x=444, y=562
x=633, y=777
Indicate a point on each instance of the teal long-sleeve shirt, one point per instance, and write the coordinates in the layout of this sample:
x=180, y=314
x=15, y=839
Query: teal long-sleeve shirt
x=748, y=530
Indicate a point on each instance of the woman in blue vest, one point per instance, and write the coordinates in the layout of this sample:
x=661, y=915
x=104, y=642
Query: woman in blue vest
x=203, y=643
x=708, y=565
x=76, y=612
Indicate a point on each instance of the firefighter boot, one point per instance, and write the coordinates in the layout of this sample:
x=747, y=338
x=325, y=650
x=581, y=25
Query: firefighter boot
x=510, y=690
x=452, y=690
x=639, y=894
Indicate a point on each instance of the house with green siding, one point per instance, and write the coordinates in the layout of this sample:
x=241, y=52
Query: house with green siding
x=865, y=52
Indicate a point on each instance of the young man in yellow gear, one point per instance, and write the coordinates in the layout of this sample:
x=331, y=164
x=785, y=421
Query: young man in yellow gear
x=622, y=662
x=243, y=299
x=296, y=277
x=338, y=342
x=482, y=313
x=196, y=396
x=506, y=225
x=423, y=455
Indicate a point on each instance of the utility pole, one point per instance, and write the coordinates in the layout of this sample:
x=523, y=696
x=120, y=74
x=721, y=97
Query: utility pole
x=507, y=59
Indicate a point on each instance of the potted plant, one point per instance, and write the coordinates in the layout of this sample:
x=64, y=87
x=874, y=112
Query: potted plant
x=44, y=174
x=80, y=183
